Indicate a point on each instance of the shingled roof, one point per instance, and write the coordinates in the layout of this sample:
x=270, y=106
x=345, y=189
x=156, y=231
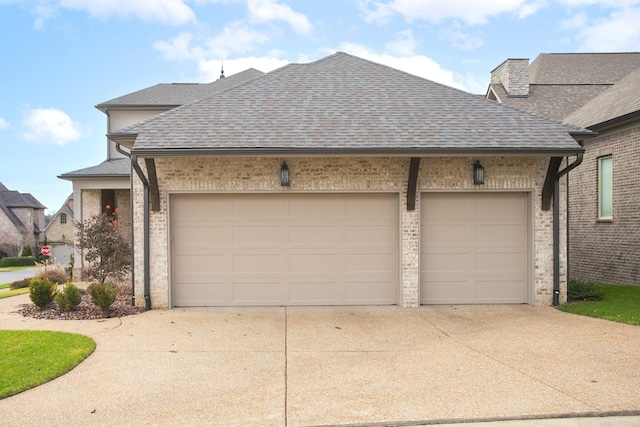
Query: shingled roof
x=10, y=200
x=561, y=83
x=175, y=94
x=344, y=104
x=619, y=103
x=115, y=168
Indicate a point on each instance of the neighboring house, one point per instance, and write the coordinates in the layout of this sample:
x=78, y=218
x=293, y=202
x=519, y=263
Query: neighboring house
x=600, y=92
x=345, y=182
x=21, y=222
x=59, y=233
x=104, y=187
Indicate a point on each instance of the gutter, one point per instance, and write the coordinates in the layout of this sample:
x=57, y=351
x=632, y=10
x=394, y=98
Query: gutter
x=147, y=266
x=556, y=227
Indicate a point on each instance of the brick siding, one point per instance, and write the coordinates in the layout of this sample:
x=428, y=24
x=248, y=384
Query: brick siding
x=347, y=174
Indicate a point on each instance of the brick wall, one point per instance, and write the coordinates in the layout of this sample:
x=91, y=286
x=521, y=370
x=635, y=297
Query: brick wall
x=513, y=74
x=607, y=251
x=195, y=174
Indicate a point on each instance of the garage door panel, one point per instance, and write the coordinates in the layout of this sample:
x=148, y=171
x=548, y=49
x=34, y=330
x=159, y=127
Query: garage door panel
x=499, y=262
x=316, y=235
x=473, y=248
x=313, y=250
x=314, y=263
x=370, y=234
x=255, y=263
x=500, y=233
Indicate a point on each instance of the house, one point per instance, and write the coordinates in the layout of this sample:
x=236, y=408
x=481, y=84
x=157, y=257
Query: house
x=59, y=233
x=600, y=92
x=21, y=222
x=346, y=182
x=106, y=186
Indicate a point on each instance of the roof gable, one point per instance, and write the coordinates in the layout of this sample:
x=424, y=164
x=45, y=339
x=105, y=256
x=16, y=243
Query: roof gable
x=342, y=103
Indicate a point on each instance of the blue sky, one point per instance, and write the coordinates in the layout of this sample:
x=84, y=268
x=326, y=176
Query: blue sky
x=62, y=57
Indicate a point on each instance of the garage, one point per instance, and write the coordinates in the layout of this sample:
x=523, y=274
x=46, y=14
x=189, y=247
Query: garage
x=473, y=248
x=283, y=249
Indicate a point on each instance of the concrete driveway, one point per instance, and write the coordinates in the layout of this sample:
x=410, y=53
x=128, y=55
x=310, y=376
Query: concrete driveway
x=311, y=366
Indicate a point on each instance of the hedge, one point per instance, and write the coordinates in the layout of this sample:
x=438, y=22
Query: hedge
x=21, y=261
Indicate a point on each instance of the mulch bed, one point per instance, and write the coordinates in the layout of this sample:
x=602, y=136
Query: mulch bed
x=85, y=311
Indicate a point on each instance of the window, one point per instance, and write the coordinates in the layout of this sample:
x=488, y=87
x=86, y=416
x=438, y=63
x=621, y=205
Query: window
x=63, y=218
x=605, y=187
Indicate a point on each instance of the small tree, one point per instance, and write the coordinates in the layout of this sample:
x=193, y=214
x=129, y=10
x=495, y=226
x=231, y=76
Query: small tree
x=104, y=248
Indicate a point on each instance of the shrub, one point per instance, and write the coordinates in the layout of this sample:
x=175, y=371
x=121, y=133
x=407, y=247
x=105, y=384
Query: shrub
x=69, y=298
x=55, y=275
x=584, y=291
x=19, y=284
x=17, y=261
x=42, y=291
x=105, y=249
x=26, y=251
x=102, y=295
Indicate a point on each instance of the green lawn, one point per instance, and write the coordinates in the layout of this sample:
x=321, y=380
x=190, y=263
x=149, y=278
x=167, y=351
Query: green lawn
x=30, y=358
x=5, y=285
x=620, y=304
x=14, y=292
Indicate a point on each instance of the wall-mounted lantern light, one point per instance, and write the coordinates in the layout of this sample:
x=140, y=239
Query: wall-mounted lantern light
x=284, y=175
x=478, y=173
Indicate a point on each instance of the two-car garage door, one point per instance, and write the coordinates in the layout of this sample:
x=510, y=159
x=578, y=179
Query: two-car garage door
x=284, y=249
x=342, y=249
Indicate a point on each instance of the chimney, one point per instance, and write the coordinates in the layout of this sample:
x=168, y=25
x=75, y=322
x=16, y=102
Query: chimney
x=513, y=74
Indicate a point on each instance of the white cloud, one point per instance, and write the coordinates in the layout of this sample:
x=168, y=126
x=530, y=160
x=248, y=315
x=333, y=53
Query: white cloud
x=49, y=125
x=3, y=123
x=172, y=12
x=616, y=33
x=265, y=11
x=436, y=11
x=404, y=45
x=460, y=39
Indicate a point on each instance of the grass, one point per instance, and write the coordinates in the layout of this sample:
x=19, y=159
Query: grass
x=30, y=358
x=13, y=293
x=620, y=304
x=14, y=268
x=5, y=285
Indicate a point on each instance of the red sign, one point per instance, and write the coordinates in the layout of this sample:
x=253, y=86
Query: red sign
x=45, y=251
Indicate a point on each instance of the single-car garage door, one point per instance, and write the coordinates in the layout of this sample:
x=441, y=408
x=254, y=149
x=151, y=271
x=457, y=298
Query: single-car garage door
x=473, y=248
x=283, y=249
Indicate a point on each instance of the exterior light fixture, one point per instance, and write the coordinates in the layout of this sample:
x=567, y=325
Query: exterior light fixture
x=478, y=173
x=284, y=175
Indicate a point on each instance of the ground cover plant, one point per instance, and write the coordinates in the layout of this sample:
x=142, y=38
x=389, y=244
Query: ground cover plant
x=620, y=304
x=30, y=358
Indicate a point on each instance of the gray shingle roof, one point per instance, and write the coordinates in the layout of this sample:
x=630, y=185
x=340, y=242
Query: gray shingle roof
x=115, y=168
x=561, y=83
x=13, y=200
x=582, y=68
x=620, y=100
x=174, y=94
x=346, y=104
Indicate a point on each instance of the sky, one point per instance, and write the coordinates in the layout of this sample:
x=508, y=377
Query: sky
x=60, y=58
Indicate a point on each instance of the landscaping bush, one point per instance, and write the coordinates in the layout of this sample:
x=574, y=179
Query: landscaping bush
x=55, y=275
x=19, y=284
x=26, y=251
x=69, y=298
x=17, y=261
x=42, y=291
x=69, y=268
x=102, y=295
x=584, y=291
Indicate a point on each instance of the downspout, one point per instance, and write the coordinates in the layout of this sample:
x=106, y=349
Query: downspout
x=147, y=266
x=556, y=227
x=133, y=270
